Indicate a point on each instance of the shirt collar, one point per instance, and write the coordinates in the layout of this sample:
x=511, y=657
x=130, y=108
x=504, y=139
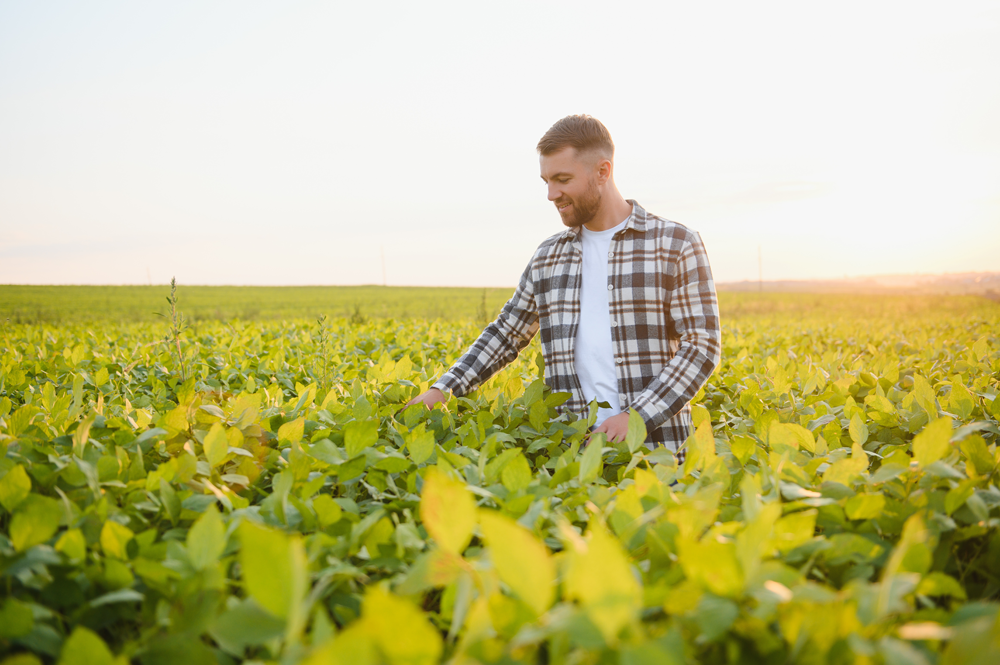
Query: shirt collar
x=636, y=221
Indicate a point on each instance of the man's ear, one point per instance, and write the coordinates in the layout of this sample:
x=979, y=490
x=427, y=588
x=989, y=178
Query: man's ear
x=604, y=170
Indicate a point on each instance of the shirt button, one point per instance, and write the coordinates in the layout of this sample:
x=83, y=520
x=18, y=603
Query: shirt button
x=624, y=398
x=614, y=324
x=611, y=255
x=619, y=361
x=610, y=287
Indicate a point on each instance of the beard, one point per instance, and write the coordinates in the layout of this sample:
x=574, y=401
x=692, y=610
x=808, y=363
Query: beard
x=583, y=209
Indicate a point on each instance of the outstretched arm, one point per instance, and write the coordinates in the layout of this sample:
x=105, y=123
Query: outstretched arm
x=497, y=345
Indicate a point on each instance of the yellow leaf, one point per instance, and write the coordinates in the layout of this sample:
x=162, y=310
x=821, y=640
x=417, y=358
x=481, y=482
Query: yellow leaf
x=521, y=560
x=292, y=431
x=216, y=445
x=712, y=564
x=600, y=578
x=401, y=631
x=275, y=570
x=790, y=434
x=845, y=470
x=114, y=539
x=931, y=444
x=700, y=448
x=448, y=511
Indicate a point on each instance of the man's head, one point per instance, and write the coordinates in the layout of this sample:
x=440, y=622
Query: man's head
x=576, y=156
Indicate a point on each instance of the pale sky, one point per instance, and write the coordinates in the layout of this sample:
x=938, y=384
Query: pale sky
x=299, y=142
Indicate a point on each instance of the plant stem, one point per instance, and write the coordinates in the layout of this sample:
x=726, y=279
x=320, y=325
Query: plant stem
x=177, y=323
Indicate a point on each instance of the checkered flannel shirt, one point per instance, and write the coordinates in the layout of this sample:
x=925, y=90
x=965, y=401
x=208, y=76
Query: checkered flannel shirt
x=664, y=322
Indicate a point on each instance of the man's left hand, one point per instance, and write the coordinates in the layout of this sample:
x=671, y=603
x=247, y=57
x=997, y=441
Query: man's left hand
x=615, y=427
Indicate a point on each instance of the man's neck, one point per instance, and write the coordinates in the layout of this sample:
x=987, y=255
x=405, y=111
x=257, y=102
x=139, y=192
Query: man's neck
x=615, y=210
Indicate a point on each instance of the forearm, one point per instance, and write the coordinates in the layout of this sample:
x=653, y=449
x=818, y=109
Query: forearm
x=694, y=309
x=498, y=344
x=678, y=382
x=487, y=355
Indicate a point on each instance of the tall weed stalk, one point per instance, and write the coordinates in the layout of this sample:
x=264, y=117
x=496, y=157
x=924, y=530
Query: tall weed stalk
x=177, y=326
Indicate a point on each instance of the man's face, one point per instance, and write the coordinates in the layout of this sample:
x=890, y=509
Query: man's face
x=572, y=185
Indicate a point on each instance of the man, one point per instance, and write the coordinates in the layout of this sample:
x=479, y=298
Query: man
x=624, y=300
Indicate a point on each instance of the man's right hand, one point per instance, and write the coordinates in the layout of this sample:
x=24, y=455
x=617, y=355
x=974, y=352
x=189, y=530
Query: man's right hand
x=429, y=398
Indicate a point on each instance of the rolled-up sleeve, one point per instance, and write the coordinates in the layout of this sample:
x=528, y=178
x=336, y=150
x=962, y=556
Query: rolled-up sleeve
x=498, y=344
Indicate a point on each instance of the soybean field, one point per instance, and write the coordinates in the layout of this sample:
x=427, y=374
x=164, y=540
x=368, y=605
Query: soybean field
x=235, y=478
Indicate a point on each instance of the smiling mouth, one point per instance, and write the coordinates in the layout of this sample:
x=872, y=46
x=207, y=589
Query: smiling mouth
x=563, y=206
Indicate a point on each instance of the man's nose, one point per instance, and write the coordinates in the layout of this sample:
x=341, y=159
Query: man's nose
x=554, y=192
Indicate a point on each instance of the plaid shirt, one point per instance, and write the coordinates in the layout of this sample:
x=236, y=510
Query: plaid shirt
x=664, y=322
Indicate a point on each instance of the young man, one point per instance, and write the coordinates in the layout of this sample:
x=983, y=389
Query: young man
x=624, y=300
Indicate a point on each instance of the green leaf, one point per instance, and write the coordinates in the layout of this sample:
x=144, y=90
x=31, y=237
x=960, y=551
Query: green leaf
x=84, y=647
x=846, y=470
x=858, y=430
x=178, y=648
x=275, y=570
x=516, y=474
x=362, y=409
x=216, y=445
x=931, y=444
x=420, y=444
x=715, y=615
x=521, y=560
x=82, y=434
x=119, y=596
x=327, y=510
x=961, y=402
x=73, y=545
x=975, y=451
x=35, y=521
x=957, y=496
x=171, y=502
x=742, y=448
x=16, y=619
x=115, y=538
x=359, y=435
x=925, y=396
x=448, y=511
x=245, y=624
x=538, y=416
x=939, y=584
x=981, y=349
x=591, y=460
x=206, y=540
x=352, y=468
x=754, y=542
x=14, y=488
x=794, y=530
x=865, y=506
x=636, y=435
x=713, y=565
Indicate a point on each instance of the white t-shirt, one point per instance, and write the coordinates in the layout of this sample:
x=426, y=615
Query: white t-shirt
x=595, y=353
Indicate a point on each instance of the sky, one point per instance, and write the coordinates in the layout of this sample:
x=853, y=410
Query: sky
x=280, y=143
